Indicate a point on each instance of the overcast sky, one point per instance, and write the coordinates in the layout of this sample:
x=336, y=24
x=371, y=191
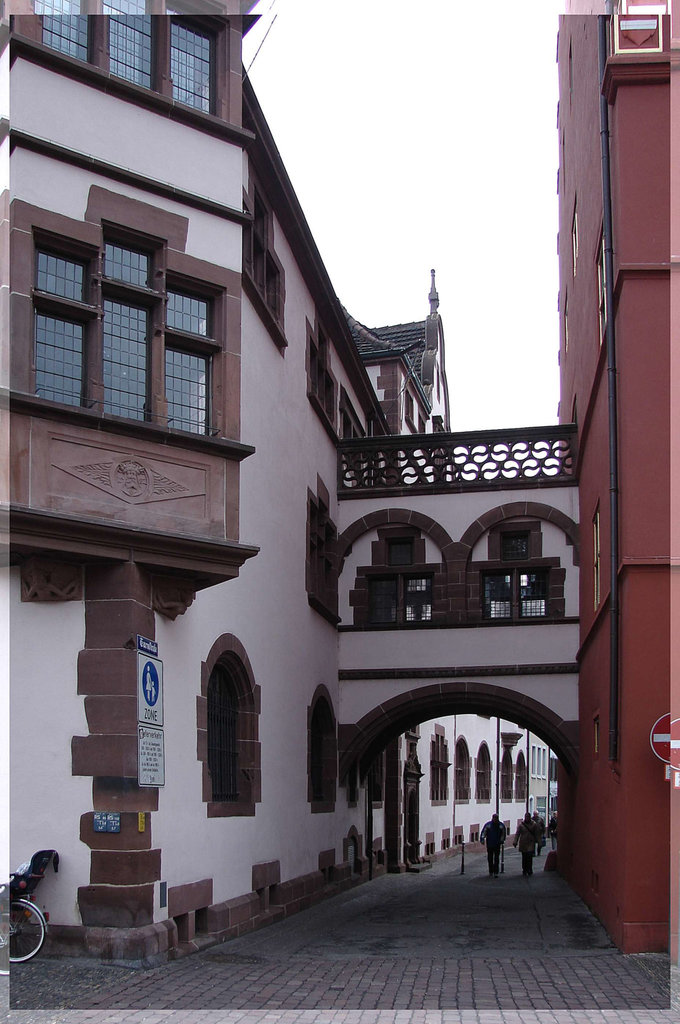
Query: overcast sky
x=424, y=136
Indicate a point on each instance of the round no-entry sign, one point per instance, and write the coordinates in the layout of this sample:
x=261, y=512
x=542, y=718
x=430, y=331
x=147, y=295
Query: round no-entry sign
x=665, y=740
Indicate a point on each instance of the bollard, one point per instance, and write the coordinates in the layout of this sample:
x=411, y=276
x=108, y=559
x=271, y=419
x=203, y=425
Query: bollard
x=502, y=858
x=462, y=858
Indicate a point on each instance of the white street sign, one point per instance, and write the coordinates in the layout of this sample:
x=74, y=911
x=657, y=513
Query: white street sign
x=151, y=756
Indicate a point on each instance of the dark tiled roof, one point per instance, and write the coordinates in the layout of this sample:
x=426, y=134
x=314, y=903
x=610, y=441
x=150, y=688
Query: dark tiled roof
x=398, y=339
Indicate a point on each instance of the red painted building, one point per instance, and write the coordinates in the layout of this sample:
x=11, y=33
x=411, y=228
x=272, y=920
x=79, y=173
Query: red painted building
x=614, y=188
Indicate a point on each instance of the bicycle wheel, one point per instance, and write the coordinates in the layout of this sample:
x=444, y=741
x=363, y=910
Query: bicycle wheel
x=27, y=928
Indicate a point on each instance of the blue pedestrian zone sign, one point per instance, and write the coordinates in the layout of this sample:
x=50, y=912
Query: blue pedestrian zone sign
x=149, y=690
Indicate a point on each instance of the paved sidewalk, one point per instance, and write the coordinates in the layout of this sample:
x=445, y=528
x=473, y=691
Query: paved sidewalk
x=478, y=948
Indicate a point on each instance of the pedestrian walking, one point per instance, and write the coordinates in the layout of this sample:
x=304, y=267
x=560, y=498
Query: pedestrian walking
x=552, y=830
x=494, y=833
x=539, y=822
x=525, y=838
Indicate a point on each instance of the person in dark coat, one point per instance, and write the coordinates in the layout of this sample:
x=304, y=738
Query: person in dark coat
x=540, y=832
x=493, y=833
x=552, y=830
x=525, y=838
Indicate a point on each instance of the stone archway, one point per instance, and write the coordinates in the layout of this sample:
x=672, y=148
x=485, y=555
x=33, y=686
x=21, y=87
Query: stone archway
x=360, y=742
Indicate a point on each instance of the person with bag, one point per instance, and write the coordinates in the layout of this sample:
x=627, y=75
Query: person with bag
x=493, y=833
x=525, y=838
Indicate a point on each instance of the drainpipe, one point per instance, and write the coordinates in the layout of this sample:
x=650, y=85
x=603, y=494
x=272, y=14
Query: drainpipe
x=498, y=763
x=614, y=624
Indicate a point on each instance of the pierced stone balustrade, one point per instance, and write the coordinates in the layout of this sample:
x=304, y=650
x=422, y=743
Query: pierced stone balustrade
x=471, y=460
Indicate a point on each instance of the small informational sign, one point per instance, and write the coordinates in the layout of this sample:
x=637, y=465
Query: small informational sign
x=149, y=690
x=107, y=821
x=151, y=756
x=147, y=646
x=676, y=780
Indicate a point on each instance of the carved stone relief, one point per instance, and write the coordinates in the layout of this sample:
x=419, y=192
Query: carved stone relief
x=47, y=580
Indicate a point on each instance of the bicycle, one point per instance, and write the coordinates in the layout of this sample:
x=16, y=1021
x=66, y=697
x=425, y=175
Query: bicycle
x=27, y=922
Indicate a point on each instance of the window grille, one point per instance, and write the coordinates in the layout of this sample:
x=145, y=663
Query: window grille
x=222, y=736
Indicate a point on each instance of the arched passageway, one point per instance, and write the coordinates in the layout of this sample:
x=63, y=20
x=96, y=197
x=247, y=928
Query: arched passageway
x=361, y=742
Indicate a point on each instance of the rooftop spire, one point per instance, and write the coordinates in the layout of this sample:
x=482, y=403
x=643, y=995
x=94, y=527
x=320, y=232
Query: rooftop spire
x=433, y=297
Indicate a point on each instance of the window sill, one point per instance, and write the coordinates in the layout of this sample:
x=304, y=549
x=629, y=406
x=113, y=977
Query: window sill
x=322, y=806
x=323, y=609
x=323, y=416
x=112, y=84
x=230, y=809
x=274, y=328
x=43, y=408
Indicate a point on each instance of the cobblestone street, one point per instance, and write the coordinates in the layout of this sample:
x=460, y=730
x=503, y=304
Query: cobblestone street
x=437, y=941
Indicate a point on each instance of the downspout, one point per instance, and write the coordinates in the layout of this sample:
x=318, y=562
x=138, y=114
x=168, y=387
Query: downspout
x=610, y=338
x=498, y=763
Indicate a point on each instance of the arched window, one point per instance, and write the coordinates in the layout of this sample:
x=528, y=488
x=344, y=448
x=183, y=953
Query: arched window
x=462, y=770
x=222, y=735
x=228, y=744
x=520, y=778
x=483, y=786
x=506, y=776
x=322, y=754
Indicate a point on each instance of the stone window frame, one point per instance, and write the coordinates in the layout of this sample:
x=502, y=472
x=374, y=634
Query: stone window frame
x=483, y=774
x=495, y=564
x=462, y=768
x=350, y=424
x=439, y=767
x=230, y=654
x=377, y=770
x=521, y=777
x=218, y=30
x=382, y=568
x=507, y=777
x=322, y=752
x=321, y=572
x=266, y=286
x=322, y=386
x=162, y=236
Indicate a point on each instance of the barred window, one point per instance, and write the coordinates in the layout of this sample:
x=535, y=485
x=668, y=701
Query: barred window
x=439, y=768
x=483, y=782
x=506, y=776
x=520, y=778
x=462, y=770
x=222, y=735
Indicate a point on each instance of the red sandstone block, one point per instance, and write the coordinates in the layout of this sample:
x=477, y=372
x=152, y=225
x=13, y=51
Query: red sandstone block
x=265, y=874
x=243, y=908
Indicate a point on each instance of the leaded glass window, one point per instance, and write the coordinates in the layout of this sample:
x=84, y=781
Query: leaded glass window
x=191, y=66
x=58, y=359
x=130, y=48
x=383, y=600
x=533, y=594
x=187, y=313
x=60, y=276
x=125, y=359
x=419, y=599
x=186, y=388
x=128, y=265
x=63, y=27
x=498, y=596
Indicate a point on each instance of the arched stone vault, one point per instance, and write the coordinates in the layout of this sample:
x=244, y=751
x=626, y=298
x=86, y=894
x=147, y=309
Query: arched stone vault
x=361, y=742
